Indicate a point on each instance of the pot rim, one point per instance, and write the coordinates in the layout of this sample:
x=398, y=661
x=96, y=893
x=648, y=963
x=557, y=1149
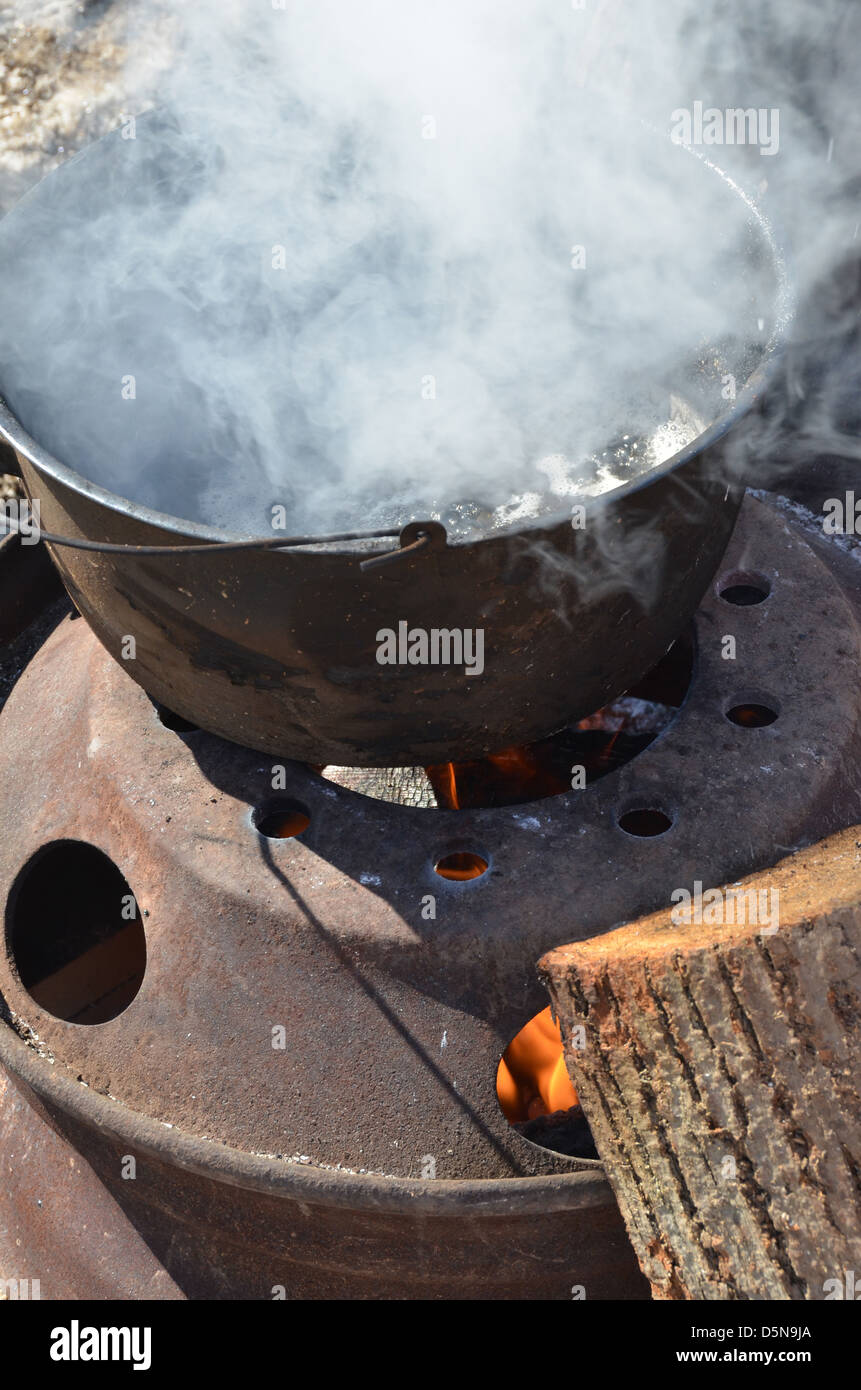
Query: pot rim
x=13, y=432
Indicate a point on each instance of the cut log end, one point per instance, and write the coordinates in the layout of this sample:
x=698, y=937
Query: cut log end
x=716, y=1061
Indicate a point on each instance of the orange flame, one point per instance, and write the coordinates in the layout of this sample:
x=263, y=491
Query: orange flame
x=607, y=753
x=451, y=786
x=513, y=760
x=532, y=1079
x=443, y=777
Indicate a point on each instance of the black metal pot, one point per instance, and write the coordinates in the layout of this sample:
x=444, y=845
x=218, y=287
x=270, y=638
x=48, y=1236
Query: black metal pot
x=279, y=650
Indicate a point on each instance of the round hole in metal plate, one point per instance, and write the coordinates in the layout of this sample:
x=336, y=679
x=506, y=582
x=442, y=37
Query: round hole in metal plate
x=74, y=933
x=744, y=589
x=461, y=867
x=282, y=820
x=752, y=715
x=645, y=822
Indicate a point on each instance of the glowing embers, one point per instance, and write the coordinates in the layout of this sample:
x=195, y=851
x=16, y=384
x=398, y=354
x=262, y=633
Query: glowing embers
x=536, y=1094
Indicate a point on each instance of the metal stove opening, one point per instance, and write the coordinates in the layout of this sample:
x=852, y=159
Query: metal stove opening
x=536, y=1094
x=74, y=933
x=573, y=758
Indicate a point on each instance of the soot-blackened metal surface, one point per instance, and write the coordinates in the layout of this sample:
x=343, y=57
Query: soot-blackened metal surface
x=395, y=1019
x=279, y=650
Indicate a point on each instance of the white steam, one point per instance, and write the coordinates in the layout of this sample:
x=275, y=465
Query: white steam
x=342, y=267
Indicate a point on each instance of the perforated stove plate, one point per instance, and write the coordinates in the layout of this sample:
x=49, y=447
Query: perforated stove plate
x=395, y=1022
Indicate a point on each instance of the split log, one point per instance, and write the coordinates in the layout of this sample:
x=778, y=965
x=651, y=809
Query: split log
x=718, y=1066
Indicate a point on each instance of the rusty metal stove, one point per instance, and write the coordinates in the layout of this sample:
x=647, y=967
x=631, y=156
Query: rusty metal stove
x=305, y=1078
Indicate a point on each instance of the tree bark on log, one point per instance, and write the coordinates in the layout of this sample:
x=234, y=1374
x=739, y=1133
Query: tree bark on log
x=718, y=1063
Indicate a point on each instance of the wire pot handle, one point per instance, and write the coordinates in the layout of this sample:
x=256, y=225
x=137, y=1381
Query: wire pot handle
x=414, y=537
